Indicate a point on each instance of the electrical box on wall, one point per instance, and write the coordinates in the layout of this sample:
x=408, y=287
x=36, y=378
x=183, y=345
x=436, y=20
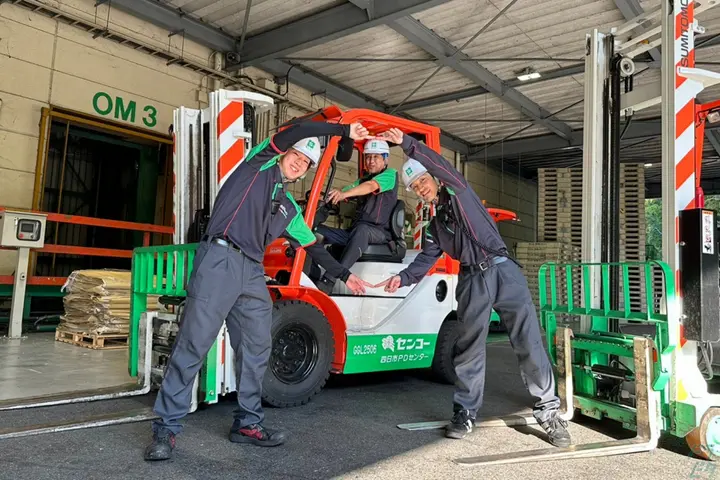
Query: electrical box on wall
x=22, y=229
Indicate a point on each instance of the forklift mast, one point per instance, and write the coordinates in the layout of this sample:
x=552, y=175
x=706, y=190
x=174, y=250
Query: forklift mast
x=208, y=145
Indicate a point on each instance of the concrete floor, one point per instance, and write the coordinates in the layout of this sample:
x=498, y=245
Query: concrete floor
x=38, y=365
x=348, y=431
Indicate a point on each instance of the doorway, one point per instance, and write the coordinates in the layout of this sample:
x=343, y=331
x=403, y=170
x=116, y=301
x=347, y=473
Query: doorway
x=100, y=176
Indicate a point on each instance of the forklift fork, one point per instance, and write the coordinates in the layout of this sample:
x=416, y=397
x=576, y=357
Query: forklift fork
x=565, y=392
x=647, y=413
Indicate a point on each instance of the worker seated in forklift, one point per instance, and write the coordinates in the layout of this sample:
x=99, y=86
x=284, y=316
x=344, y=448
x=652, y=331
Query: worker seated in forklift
x=377, y=195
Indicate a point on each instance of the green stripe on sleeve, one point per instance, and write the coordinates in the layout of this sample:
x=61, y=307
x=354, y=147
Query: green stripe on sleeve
x=386, y=179
x=297, y=228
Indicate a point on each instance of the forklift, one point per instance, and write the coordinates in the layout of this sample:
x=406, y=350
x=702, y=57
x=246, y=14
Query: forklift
x=314, y=334
x=648, y=367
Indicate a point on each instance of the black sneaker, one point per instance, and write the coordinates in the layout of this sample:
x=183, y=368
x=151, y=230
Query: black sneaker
x=556, y=429
x=257, y=435
x=161, y=447
x=461, y=424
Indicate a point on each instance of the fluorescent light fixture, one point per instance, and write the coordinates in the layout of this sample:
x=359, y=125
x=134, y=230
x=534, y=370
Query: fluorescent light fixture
x=648, y=165
x=528, y=75
x=714, y=117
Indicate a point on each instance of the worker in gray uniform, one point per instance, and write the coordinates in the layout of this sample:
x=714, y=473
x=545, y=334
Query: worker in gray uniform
x=227, y=283
x=377, y=196
x=488, y=279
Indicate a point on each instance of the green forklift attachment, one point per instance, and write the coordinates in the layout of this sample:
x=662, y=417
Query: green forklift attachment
x=164, y=271
x=594, y=366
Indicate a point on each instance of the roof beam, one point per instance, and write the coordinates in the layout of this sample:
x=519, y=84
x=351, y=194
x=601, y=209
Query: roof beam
x=472, y=92
x=325, y=26
x=638, y=129
x=448, y=56
x=176, y=21
x=631, y=9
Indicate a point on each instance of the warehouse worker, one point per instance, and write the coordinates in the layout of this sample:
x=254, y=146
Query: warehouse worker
x=488, y=279
x=377, y=195
x=227, y=283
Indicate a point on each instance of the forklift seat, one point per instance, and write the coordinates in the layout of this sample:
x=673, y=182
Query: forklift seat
x=393, y=251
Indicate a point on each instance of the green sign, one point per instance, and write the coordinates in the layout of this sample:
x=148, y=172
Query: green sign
x=374, y=353
x=121, y=109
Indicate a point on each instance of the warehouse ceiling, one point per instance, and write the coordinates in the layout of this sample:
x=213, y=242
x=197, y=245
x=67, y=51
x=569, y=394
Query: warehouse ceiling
x=451, y=63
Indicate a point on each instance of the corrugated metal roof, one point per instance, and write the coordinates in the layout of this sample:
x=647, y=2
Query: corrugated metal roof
x=389, y=82
x=264, y=14
x=491, y=119
x=541, y=34
x=530, y=28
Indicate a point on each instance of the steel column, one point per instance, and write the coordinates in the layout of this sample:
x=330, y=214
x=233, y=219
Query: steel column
x=596, y=63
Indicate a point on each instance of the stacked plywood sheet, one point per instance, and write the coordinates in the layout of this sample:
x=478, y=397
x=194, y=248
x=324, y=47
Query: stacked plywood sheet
x=97, y=305
x=532, y=255
x=632, y=229
x=560, y=205
x=560, y=195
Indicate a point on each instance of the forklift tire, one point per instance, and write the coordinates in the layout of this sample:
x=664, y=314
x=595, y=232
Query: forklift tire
x=702, y=439
x=301, y=354
x=442, y=364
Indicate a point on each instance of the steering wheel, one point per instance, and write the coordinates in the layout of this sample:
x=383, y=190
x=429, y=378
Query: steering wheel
x=322, y=203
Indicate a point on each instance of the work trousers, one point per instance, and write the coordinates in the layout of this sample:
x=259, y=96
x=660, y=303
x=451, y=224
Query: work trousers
x=225, y=285
x=502, y=287
x=355, y=240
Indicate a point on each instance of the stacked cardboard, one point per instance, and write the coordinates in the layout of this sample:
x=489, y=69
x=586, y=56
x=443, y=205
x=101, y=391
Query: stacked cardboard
x=98, y=302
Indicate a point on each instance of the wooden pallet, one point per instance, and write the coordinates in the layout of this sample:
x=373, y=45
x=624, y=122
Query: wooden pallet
x=92, y=340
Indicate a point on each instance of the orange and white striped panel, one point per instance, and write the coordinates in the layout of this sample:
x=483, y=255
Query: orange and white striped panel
x=419, y=224
x=231, y=146
x=685, y=92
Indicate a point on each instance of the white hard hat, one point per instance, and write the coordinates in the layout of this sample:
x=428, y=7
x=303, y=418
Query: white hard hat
x=411, y=171
x=310, y=147
x=376, y=146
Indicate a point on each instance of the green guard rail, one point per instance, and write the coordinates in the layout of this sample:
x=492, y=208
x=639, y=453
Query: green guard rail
x=599, y=343
x=160, y=270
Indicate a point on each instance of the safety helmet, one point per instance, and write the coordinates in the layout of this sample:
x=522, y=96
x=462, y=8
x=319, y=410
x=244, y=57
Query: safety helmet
x=377, y=146
x=411, y=171
x=310, y=147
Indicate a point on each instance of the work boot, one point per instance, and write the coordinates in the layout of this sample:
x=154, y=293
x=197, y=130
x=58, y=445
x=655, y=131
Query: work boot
x=556, y=429
x=256, y=434
x=161, y=447
x=461, y=424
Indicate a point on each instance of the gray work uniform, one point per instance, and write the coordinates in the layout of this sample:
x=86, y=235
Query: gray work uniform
x=372, y=219
x=488, y=279
x=227, y=283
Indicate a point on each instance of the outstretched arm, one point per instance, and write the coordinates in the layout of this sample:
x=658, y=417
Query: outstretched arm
x=281, y=142
x=380, y=183
x=419, y=267
x=435, y=163
x=299, y=234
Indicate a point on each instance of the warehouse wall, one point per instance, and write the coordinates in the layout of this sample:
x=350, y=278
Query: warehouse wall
x=47, y=62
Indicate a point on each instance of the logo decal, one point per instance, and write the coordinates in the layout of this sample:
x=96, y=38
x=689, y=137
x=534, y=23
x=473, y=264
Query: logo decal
x=408, y=170
x=388, y=343
x=311, y=144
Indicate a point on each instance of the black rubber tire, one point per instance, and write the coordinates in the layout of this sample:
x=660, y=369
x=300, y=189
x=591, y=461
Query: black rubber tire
x=276, y=391
x=442, y=365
